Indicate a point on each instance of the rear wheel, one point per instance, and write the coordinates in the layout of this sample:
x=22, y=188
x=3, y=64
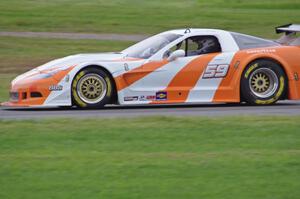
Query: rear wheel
x=91, y=88
x=263, y=82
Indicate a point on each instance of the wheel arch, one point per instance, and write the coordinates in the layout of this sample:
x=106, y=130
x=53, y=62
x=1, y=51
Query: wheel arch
x=280, y=63
x=115, y=94
x=230, y=90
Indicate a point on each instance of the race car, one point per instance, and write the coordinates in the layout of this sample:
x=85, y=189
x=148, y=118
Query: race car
x=176, y=66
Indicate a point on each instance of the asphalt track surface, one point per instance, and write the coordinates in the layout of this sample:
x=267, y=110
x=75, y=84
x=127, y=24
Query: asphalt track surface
x=76, y=36
x=282, y=108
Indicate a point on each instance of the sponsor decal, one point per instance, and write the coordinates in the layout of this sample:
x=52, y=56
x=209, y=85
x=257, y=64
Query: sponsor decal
x=55, y=87
x=251, y=68
x=126, y=67
x=261, y=51
x=131, y=98
x=147, y=98
x=143, y=98
x=151, y=97
x=161, y=95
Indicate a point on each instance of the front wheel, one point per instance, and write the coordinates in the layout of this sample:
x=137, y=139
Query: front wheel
x=91, y=88
x=263, y=82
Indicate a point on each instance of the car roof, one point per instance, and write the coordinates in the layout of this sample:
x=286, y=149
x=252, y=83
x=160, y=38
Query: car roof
x=196, y=31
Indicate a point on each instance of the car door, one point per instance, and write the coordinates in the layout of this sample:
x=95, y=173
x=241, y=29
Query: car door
x=179, y=80
x=153, y=77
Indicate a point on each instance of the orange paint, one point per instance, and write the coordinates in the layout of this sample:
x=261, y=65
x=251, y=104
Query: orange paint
x=30, y=85
x=287, y=56
x=130, y=77
x=186, y=79
x=229, y=88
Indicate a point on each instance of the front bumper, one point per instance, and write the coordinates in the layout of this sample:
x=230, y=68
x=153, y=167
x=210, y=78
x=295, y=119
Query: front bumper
x=32, y=92
x=28, y=93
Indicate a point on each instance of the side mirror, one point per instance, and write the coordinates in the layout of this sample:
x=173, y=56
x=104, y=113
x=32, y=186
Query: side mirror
x=176, y=54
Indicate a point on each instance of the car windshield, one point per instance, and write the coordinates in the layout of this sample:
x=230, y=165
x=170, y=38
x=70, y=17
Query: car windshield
x=150, y=46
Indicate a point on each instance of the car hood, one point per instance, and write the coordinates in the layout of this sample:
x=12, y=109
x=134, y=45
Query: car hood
x=67, y=62
x=80, y=58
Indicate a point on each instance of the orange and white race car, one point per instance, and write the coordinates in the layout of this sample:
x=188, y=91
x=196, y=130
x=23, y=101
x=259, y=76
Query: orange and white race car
x=177, y=66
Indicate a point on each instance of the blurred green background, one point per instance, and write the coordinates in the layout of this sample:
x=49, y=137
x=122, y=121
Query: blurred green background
x=141, y=16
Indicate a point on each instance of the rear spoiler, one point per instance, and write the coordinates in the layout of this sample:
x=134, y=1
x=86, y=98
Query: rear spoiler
x=290, y=37
x=288, y=29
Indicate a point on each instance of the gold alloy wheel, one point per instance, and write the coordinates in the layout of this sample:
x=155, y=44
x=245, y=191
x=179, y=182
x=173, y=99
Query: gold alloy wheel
x=263, y=82
x=91, y=88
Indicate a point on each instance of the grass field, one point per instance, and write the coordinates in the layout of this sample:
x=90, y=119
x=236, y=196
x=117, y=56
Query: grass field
x=158, y=157
x=140, y=16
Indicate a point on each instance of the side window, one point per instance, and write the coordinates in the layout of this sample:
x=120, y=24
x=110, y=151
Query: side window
x=196, y=45
x=199, y=45
x=179, y=46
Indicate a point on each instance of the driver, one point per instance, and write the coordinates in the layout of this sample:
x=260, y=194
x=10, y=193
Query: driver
x=205, y=45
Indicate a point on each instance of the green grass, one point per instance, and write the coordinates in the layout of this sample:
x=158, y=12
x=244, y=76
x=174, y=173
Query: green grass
x=160, y=157
x=5, y=80
x=141, y=16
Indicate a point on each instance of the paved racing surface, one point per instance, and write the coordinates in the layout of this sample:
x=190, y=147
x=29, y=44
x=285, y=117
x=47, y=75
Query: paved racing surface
x=283, y=108
x=115, y=37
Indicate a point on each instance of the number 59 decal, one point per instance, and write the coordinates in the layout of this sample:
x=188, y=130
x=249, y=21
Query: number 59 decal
x=216, y=71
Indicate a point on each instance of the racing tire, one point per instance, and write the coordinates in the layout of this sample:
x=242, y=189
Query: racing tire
x=91, y=88
x=263, y=82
